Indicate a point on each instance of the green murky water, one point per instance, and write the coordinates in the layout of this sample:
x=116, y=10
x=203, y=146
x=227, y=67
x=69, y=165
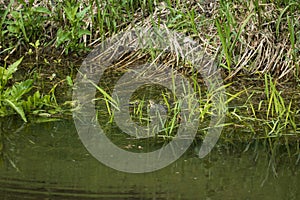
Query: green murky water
x=48, y=161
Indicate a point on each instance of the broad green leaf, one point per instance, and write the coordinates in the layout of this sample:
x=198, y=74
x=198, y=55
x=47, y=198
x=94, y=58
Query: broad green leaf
x=6, y=74
x=42, y=10
x=46, y=118
x=36, y=98
x=81, y=14
x=69, y=81
x=13, y=29
x=17, y=108
x=18, y=90
x=15, y=14
x=71, y=12
x=62, y=36
x=82, y=32
x=13, y=68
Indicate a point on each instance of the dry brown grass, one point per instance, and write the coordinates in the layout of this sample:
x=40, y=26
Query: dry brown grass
x=257, y=50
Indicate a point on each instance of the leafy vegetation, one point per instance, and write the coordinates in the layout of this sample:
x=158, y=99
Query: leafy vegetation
x=259, y=39
x=16, y=97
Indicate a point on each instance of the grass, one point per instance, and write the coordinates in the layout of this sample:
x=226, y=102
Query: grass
x=76, y=26
x=257, y=38
x=66, y=25
x=246, y=35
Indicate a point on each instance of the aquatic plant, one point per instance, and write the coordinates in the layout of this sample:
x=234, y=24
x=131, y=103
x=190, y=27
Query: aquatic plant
x=17, y=98
x=254, y=43
x=10, y=97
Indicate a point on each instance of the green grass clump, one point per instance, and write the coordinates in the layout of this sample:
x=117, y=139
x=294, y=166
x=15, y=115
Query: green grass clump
x=69, y=25
x=255, y=36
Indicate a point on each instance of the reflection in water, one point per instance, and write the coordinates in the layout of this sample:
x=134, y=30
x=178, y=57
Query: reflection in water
x=10, y=127
x=53, y=164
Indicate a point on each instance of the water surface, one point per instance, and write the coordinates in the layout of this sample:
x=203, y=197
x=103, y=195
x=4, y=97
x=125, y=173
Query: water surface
x=48, y=161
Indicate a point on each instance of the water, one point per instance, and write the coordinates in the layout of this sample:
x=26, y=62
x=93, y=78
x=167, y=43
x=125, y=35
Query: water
x=48, y=161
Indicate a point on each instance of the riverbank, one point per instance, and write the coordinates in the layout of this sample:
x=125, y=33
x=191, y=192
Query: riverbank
x=255, y=45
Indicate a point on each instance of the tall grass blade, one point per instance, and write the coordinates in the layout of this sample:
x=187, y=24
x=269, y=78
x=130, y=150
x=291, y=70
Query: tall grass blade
x=224, y=44
x=4, y=17
x=105, y=94
x=280, y=17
